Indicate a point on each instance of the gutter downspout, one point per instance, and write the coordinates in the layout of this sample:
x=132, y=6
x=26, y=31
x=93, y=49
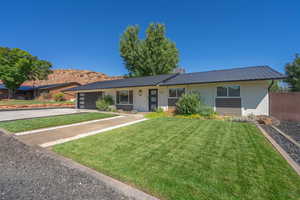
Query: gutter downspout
x=271, y=84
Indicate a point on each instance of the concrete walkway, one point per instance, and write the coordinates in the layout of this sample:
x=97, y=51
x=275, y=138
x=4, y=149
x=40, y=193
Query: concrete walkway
x=76, y=131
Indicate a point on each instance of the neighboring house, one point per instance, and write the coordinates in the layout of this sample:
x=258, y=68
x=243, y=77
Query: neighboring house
x=31, y=92
x=239, y=91
x=56, y=88
x=23, y=92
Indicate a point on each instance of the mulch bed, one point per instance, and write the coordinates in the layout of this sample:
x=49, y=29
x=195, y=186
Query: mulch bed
x=289, y=147
x=291, y=128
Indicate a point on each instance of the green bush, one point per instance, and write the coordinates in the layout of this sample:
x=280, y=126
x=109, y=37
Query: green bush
x=191, y=104
x=109, y=99
x=59, y=97
x=105, y=103
x=159, y=110
x=188, y=104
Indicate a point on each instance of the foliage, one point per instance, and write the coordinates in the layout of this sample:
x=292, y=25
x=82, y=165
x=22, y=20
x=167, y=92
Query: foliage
x=153, y=115
x=44, y=122
x=276, y=87
x=154, y=55
x=159, y=110
x=292, y=70
x=45, y=96
x=105, y=103
x=59, y=96
x=109, y=99
x=192, y=116
x=17, y=66
x=191, y=104
x=30, y=102
x=188, y=104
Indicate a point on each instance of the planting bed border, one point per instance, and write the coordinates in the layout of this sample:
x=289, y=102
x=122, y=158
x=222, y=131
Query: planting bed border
x=280, y=149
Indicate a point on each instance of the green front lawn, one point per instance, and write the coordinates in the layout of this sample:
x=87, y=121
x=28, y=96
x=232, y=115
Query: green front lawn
x=187, y=159
x=45, y=122
x=29, y=102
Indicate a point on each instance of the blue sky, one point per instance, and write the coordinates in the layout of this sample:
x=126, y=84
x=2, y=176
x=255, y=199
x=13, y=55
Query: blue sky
x=210, y=34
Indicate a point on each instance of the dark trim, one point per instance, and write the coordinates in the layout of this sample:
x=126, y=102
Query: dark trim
x=149, y=98
x=186, y=83
x=125, y=107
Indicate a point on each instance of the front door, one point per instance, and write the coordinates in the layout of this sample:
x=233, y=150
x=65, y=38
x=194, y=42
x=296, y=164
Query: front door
x=153, y=100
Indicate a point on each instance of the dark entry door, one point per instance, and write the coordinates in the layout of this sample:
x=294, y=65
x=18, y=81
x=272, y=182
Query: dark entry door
x=153, y=99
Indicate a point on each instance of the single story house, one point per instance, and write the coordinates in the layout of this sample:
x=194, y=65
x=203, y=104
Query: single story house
x=238, y=91
x=30, y=92
x=23, y=92
x=52, y=89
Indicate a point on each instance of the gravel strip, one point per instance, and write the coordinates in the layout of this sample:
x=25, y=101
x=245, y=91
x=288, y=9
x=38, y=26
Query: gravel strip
x=291, y=128
x=29, y=173
x=289, y=147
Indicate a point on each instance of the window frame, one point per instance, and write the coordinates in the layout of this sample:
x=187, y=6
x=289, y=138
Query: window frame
x=176, y=97
x=227, y=91
x=129, y=92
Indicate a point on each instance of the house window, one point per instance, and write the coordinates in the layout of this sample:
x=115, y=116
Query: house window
x=228, y=91
x=125, y=97
x=176, y=92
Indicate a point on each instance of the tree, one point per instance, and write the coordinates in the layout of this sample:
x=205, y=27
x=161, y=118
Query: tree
x=276, y=87
x=152, y=56
x=292, y=70
x=18, y=66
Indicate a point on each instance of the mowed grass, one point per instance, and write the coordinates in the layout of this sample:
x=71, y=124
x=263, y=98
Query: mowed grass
x=44, y=122
x=187, y=159
x=31, y=102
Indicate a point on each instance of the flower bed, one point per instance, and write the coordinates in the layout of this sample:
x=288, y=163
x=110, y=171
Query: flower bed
x=31, y=106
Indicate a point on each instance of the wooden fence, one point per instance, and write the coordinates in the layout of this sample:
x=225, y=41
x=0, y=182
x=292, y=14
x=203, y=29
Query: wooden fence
x=285, y=106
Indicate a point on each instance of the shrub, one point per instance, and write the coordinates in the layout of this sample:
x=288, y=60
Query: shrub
x=105, y=103
x=188, y=104
x=44, y=96
x=59, y=97
x=109, y=99
x=159, y=110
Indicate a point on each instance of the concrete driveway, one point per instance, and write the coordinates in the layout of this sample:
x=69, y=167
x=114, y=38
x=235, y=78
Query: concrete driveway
x=25, y=114
x=55, y=135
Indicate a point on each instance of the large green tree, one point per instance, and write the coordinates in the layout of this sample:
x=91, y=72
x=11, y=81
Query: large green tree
x=18, y=66
x=292, y=70
x=153, y=55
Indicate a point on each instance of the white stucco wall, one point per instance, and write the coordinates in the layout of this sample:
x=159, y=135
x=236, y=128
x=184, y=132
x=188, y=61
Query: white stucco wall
x=254, y=95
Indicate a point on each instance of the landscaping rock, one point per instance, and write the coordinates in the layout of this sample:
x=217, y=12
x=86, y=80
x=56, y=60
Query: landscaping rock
x=291, y=128
x=30, y=173
x=292, y=149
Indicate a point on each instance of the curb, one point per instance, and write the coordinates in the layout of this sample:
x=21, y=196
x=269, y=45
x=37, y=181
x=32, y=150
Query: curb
x=290, y=161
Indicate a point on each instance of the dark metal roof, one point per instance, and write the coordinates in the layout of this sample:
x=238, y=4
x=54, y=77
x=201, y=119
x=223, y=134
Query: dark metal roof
x=227, y=75
x=126, y=82
x=43, y=87
x=23, y=88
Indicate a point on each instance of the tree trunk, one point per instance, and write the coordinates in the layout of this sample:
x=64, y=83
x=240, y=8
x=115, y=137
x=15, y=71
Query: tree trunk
x=11, y=93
